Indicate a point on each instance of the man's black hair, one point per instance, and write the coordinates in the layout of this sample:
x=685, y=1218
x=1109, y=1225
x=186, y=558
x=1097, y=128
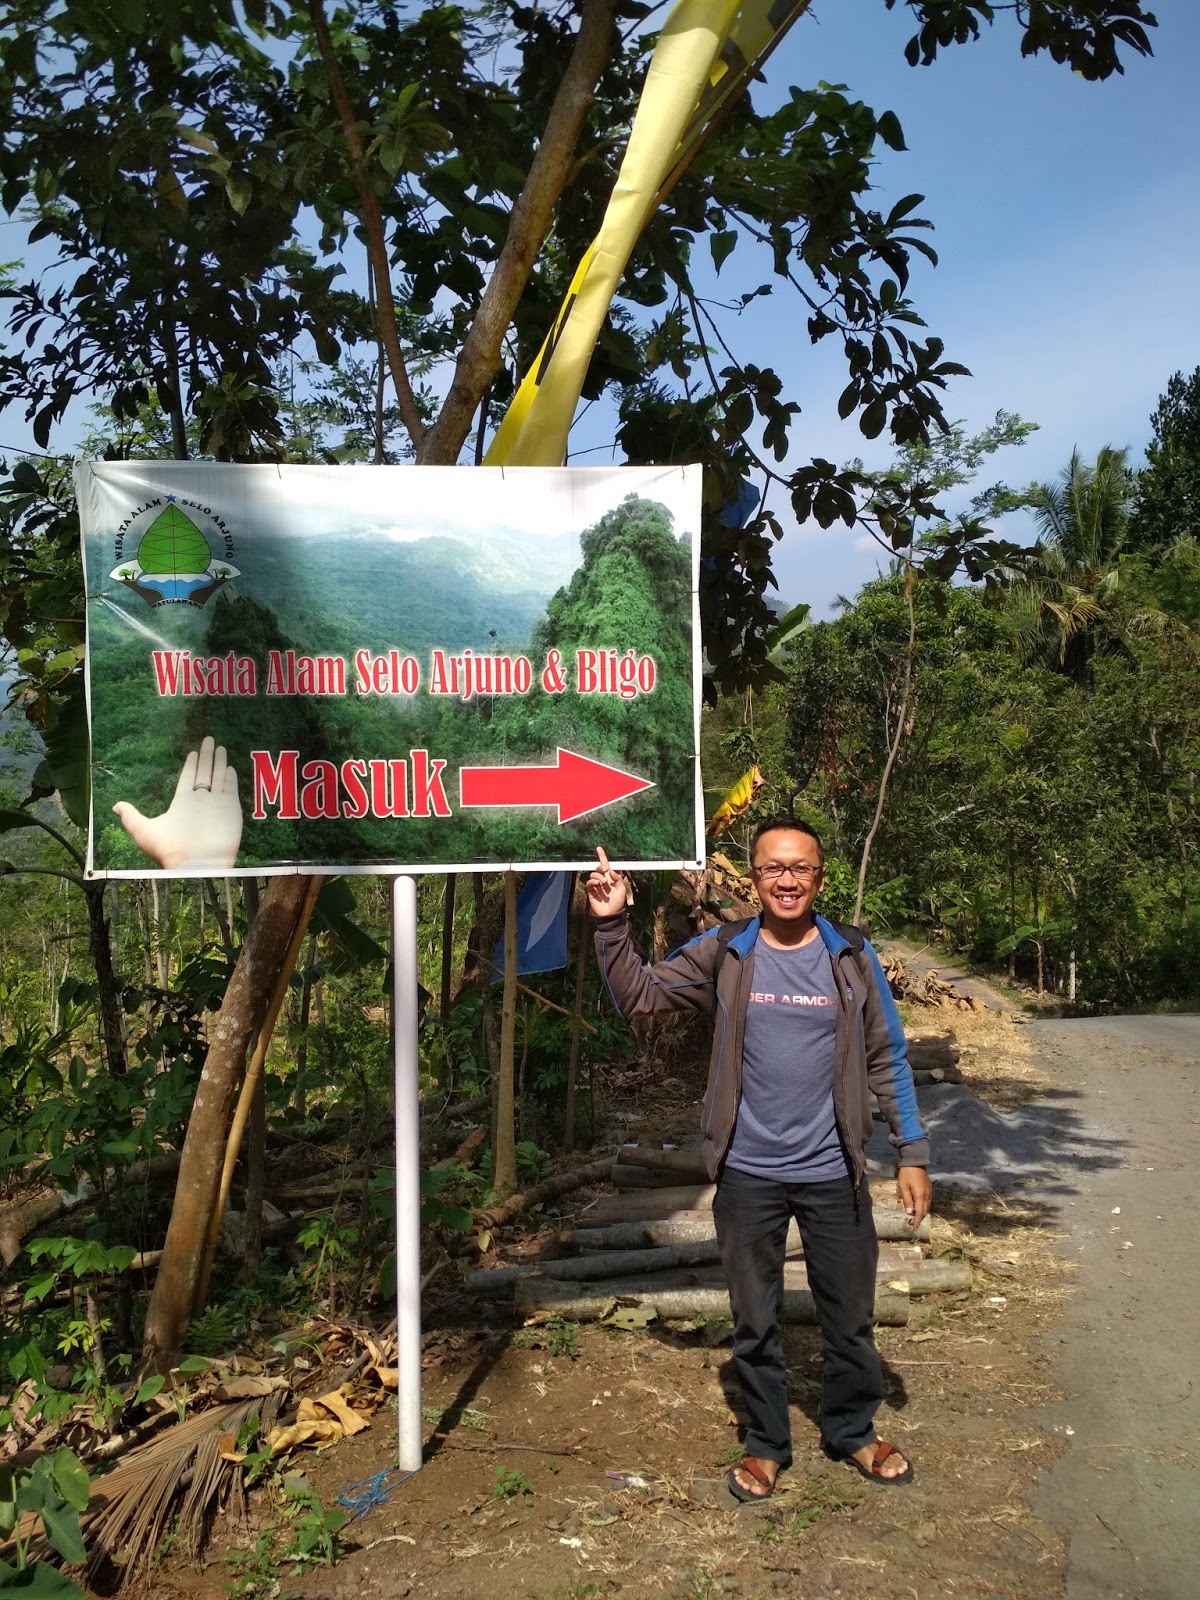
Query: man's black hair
x=792, y=825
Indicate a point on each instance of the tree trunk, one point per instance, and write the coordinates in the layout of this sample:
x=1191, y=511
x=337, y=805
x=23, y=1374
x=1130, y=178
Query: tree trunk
x=444, y=999
x=895, y=1262
x=632, y=1176
x=208, y=887
x=256, y=1164
x=910, y=584
x=252, y=1084
x=549, y=173
x=160, y=962
x=504, y=1153
x=171, y=392
x=111, y=1022
x=373, y=228
x=299, y=1103
x=200, y=1165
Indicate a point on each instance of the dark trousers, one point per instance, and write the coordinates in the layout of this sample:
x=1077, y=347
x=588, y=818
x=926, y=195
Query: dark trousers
x=841, y=1254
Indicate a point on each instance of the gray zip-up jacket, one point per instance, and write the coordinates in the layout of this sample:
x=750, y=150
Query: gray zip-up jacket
x=869, y=1047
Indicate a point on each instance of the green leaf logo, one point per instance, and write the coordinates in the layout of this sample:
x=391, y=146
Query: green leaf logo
x=173, y=544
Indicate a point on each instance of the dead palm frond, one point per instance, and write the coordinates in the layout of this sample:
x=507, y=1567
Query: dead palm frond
x=189, y=1469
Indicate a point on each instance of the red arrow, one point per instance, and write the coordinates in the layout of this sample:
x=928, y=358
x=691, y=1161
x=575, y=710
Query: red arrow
x=575, y=784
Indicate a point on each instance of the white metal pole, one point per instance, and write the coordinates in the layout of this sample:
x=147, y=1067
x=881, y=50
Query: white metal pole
x=408, y=1172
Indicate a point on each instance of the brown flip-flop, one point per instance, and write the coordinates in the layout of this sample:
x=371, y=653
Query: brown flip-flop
x=750, y=1466
x=873, y=1474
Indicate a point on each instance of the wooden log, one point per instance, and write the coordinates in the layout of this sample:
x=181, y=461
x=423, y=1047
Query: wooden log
x=634, y=1177
x=649, y=1188
x=499, y=1280
x=925, y=1053
x=605, y=1264
x=550, y=1189
x=938, y=1075
x=932, y=1277
x=624, y=1263
x=652, y=1203
x=929, y=1060
x=673, y=1231
x=686, y=1204
x=40, y=1211
x=684, y=1163
x=591, y=1304
x=891, y=1273
x=635, y=1235
x=673, y=1267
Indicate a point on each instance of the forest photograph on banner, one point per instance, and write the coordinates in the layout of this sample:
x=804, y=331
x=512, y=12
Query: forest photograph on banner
x=380, y=668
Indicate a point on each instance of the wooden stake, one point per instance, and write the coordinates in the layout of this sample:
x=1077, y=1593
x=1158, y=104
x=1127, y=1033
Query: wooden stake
x=577, y=1015
x=504, y=1155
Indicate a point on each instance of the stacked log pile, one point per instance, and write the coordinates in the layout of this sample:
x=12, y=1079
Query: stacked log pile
x=934, y=1058
x=926, y=988
x=653, y=1247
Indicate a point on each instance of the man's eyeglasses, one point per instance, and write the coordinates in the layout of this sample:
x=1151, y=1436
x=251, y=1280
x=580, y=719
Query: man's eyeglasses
x=772, y=870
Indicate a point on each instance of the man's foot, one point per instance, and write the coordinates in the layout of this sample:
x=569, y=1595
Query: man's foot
x=882, y=1463
x=753, y=1478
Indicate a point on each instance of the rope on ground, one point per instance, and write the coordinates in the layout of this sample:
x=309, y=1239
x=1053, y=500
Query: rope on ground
x=363, y=1496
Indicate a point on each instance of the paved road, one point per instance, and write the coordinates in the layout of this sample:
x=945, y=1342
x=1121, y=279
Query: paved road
x=1127, y=1493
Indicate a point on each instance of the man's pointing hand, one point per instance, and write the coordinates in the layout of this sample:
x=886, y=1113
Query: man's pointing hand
x=607, y=890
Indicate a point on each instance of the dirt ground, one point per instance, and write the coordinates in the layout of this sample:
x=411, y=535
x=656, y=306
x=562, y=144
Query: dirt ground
x=596, y=1466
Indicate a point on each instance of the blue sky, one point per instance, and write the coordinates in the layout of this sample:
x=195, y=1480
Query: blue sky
x=1067, y=221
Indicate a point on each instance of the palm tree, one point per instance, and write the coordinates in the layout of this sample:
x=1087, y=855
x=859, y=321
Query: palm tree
x=1083, y=585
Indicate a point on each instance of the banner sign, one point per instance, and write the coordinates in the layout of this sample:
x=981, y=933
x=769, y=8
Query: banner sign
x=380, y=669
x=706, y=55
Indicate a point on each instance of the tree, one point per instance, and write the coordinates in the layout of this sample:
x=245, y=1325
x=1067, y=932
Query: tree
x=1085, y=588
x=1165, y=524
x=1167, y=506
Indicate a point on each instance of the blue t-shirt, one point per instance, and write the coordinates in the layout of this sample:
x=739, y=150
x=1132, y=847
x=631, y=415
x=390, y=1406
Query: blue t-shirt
x=785, y=1127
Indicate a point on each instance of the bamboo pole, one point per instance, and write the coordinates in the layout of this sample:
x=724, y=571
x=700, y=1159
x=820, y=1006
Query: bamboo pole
x=253, y=1076
x=550, y=1005
x=504, y=1162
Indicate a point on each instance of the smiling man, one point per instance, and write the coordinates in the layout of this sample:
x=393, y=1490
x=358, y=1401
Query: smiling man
x=804, y=1029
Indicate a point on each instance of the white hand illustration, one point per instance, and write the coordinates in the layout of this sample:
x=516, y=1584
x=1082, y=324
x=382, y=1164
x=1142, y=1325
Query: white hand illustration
x=203, y=824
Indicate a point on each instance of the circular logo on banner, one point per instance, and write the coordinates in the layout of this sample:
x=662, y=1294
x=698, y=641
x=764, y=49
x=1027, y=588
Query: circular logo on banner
x=174, y=563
